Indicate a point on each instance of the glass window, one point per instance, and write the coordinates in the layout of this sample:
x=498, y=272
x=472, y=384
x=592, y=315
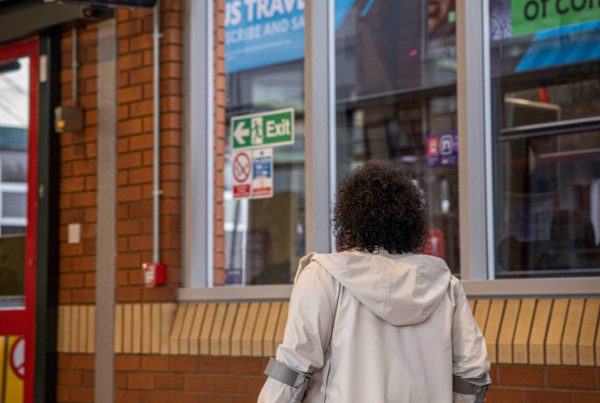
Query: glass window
x=546, y=137
x=14, y=165
x=396, y=100
x=14, y=124
x=260, y=239
x=14, y=205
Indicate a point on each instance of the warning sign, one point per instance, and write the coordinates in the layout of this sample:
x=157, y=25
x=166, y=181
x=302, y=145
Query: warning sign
x=17, y=358
x=12, y=369
x=253, y=174
x=242, y=175
x=262, y=173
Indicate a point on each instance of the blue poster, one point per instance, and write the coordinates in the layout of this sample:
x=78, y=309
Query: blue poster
x=262, y=33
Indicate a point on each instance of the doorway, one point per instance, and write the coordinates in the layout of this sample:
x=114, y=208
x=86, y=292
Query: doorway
x=19, y=75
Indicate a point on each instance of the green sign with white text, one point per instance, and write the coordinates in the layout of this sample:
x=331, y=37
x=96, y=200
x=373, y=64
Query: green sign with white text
x=531, y=16
x=266, y=129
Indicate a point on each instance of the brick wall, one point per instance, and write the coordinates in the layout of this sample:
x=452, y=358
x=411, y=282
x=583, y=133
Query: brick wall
x=544, y=384
x=75, y=378
x=78, y=167
x=159, y=378
x=77, y=280
x=135, y=150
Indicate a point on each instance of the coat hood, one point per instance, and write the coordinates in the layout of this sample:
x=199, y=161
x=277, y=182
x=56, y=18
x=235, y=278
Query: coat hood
x=401, y=289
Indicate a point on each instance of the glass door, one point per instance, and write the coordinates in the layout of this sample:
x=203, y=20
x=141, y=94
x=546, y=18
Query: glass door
x=18, y=213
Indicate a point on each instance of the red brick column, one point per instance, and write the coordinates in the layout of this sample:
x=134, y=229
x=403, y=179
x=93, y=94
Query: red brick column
x=220, y=106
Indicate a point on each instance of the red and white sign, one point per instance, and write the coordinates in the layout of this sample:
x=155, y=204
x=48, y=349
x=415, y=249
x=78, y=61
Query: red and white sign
x=242, y=175
x=17, y=358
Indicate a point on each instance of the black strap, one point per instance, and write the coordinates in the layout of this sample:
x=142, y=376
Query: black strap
x=284, y=374
x=471, y=386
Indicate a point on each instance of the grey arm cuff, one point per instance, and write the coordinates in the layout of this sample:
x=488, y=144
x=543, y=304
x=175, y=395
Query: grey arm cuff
x=472, y=386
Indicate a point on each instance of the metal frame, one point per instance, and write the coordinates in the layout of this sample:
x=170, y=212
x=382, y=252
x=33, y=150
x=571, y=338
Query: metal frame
x=47, y=230
x=320, y=150
x=319, y=85
x=475, y=214
x=199, y=159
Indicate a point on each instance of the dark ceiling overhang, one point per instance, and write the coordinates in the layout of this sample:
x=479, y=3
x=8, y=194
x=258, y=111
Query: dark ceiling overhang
x=22, y=18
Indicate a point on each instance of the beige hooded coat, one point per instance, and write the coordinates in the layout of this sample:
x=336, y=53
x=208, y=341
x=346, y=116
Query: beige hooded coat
x=378, y=328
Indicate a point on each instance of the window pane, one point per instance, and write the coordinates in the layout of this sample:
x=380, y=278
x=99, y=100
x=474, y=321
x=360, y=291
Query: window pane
x=546, y=106
x=14, y=164
x=14, y=126
x=14, y=205
x=396, y=100
x=260, y=240
x=12, y=256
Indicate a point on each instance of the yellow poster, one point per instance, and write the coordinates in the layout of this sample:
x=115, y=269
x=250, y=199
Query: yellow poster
x=12, y=369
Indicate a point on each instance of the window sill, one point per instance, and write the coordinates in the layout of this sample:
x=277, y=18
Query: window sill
x=236, y=293
x=580, y=286
x=544, y=287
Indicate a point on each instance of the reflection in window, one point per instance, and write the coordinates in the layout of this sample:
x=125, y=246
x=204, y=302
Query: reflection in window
x=396, y=100
x=546, y=106
x=14, y=121
x=262, y=239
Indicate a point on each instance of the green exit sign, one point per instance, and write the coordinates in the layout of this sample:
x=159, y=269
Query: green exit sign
x=266, y=129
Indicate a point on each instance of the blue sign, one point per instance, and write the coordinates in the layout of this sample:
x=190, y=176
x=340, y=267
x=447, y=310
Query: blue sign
x=262, y=167
x=262, y=33
x=563, y=45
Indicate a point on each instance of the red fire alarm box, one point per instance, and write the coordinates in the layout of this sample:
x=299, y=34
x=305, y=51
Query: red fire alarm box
x=154, y=274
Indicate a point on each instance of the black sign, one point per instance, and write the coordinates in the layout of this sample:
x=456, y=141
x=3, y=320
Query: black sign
x=118, y=3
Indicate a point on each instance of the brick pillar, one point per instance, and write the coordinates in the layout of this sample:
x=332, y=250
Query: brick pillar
x=220, y=108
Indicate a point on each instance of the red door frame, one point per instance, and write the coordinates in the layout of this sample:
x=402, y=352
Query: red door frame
x=21, y=321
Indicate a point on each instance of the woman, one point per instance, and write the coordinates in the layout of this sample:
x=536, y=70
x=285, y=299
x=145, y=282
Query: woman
x=377, y=322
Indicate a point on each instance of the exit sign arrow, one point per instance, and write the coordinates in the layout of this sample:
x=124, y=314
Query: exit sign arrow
x=240, y=132
x=265, y=129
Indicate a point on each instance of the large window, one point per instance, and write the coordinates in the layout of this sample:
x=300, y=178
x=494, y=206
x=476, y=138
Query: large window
x=396, y=100
x=527, y=102
x=546, y=137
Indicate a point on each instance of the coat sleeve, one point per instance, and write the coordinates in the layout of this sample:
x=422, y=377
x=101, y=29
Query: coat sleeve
x=469, y=352
x=308, y=329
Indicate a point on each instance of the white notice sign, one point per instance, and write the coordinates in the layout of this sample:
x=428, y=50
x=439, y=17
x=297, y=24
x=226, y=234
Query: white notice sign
x=262, y=173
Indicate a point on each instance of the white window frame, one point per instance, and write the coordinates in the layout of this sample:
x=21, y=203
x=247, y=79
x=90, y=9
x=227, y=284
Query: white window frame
x=199, y=172
x=476, y=190
x=475, y=173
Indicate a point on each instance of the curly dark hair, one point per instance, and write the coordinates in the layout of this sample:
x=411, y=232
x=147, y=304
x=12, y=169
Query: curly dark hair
x=379, y=207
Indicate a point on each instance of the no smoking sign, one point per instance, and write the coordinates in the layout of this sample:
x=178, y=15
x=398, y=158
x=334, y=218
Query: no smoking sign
x=253, y=174
x=242, y=175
